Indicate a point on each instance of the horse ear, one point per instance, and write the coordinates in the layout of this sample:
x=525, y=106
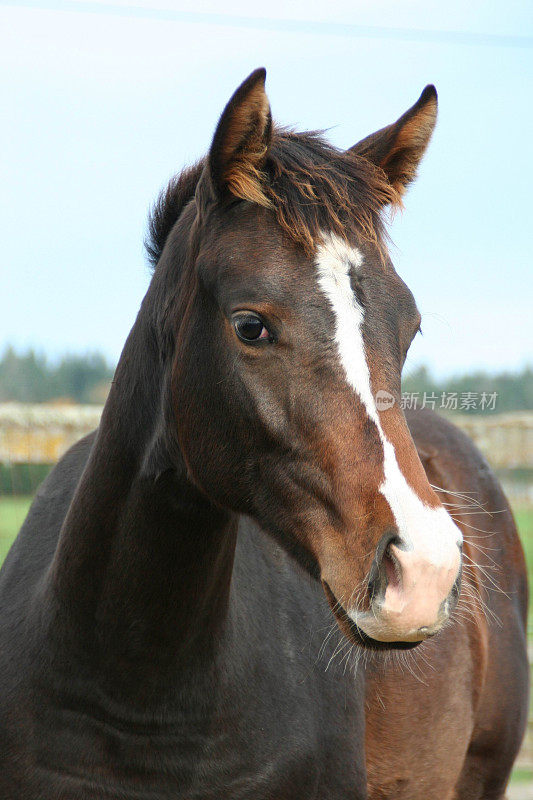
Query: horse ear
x=398, y=148
x=240, y=144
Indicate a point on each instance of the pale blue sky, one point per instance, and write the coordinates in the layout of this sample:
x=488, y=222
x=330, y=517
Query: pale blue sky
x=102, y=102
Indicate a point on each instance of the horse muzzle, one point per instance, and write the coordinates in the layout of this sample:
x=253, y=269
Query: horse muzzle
x=411, y=594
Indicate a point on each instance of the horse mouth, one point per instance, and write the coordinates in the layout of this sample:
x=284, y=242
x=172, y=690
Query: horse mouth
x=355, y=634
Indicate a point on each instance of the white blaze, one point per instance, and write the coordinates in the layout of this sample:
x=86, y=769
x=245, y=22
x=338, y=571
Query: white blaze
x=428, y=530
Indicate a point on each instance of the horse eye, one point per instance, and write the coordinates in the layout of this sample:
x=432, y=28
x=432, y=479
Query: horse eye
x=250, y=328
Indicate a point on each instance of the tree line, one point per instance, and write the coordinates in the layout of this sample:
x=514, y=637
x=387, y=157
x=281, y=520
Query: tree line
x=474, y=392
x=29, y=377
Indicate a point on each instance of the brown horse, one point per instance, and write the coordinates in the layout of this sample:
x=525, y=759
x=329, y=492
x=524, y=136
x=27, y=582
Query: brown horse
x=213, y=595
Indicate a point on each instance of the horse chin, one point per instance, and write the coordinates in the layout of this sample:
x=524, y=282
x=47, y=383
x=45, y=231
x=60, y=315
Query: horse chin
x=354, y=633
x=361, y=638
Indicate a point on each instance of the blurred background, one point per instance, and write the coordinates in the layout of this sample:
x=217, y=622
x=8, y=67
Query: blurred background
x=104, y=101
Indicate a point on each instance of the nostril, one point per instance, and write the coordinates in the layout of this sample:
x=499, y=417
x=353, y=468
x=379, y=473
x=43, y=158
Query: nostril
x=449, y=605
x=389, y=538
x=456, y=589
x=391, y=568
x=385, y=569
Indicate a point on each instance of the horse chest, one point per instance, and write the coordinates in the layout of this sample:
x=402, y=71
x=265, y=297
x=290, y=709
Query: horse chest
x=149, y=767
x=274, y=745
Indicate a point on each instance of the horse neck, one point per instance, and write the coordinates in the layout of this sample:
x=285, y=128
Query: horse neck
x=141, y=576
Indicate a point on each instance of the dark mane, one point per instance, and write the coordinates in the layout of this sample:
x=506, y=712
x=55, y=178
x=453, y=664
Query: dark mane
x=310, y=185
x=168, y=207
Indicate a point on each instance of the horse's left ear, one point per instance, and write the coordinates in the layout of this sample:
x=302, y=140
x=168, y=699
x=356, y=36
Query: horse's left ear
x=398, y=148
x=240, y=144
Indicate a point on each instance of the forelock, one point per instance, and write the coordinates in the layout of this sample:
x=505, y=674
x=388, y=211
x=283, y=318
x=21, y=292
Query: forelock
x=310, y=185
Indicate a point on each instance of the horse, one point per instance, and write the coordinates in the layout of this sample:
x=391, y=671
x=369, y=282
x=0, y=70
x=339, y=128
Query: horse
x=252, y=581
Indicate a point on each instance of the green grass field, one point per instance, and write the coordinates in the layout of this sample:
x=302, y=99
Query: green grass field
x=524, y=520
x=12, y=513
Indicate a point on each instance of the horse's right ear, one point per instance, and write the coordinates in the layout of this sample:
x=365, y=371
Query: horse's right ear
x=240, y=144
x=398, y=148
